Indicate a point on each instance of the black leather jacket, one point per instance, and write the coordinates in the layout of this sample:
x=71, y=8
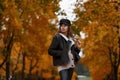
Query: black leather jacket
x=59, y=50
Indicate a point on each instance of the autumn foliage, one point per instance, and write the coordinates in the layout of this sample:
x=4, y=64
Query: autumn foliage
x=25, y=35
x=27, y=27
x=100, y=21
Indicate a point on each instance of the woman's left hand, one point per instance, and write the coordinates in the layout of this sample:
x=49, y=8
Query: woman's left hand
x=78, y=44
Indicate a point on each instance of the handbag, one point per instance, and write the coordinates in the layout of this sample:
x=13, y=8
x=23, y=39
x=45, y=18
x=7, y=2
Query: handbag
x=75, y=51
x=76, y=58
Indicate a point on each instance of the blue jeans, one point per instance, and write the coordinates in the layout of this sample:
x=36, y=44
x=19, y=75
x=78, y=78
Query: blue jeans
x=66, y=74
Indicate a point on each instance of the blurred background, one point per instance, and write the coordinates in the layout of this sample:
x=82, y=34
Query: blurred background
x=27, y=28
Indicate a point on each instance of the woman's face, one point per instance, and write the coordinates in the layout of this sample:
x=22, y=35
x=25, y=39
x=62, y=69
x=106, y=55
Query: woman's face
x=63, y=28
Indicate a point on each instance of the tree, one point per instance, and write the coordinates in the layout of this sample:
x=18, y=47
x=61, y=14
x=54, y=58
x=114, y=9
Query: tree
x=99, y=20
x=29, y=23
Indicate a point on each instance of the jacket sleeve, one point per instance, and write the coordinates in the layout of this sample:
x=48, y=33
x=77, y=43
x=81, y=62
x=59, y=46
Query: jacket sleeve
x=53, y=49
x=75, y=51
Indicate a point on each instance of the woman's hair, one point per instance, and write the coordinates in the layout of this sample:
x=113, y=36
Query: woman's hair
x=68, y=23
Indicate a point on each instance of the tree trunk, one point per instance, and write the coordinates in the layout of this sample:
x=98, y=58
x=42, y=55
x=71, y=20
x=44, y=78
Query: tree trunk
x=8, y=52
x=8, y=62
x=8, y=68
x=115, y=72
x=23, y=67
x=114, y=59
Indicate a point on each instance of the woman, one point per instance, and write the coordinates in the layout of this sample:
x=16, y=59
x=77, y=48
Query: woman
x=64, y=50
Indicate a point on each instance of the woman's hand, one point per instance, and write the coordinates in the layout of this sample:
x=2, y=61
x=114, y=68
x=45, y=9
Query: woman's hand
x=78, y=44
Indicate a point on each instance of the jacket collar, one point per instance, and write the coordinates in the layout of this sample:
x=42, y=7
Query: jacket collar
x=65, y=37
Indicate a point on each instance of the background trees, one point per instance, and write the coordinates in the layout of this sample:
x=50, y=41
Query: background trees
x=25, y=30
x=100, y=21
x=27, y=27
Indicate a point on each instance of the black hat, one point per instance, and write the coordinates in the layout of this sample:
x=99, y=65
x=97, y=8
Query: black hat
x=65, y=21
